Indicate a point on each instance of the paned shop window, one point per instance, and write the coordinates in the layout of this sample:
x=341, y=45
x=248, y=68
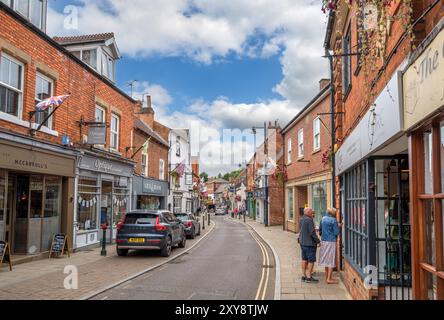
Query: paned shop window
x=87, y=204
x=43, y=90
x=11, y=85
x=355, y=216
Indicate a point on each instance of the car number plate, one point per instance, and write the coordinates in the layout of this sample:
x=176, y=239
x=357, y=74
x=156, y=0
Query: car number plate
x=136, y=240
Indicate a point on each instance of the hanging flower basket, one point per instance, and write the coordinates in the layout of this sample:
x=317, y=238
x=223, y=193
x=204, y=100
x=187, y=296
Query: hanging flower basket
x=326, y=158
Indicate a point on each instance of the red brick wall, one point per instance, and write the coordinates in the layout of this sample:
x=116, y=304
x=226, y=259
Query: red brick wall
x=297, y=169
x=355, y=285
x=85, y=87
x=156, y=151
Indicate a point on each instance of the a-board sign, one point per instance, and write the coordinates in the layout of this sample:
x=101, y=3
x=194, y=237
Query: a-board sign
x=5, y=254
x=59, y=245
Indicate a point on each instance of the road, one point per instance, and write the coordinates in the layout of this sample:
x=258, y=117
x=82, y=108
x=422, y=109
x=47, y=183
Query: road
x=230, y=264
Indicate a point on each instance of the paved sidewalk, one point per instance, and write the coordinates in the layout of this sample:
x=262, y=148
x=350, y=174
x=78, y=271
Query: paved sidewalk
x=292, y=288
x=43, y=279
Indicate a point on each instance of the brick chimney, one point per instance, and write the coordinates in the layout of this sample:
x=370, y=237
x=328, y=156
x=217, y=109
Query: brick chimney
x=323, y=83
x=147, y=113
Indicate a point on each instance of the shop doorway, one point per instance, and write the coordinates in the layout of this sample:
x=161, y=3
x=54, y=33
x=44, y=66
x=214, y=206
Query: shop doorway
x=33, y=212
x=392, y=213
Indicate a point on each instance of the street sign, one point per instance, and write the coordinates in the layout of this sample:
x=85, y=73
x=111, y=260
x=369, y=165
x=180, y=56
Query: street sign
x=59, y=245
x=5, y=254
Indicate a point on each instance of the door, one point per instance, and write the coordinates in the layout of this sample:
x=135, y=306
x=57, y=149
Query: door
x=20, y=236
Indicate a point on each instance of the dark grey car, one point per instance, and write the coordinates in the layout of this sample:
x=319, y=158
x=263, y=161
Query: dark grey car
x=192, y=225
x=150, y=230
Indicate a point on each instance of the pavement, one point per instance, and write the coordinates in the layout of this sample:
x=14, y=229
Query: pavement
x=289, y=256
x=227, y=265
x=44, y=279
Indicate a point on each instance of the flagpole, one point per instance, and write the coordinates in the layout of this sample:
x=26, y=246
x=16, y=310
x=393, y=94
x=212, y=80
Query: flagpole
x=33, y=131
x=141, y=147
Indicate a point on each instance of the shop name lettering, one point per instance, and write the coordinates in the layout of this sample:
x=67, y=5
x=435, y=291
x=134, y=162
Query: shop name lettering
x=152, y=187
x=33, y=164
x=429, y=63
x=102, y=165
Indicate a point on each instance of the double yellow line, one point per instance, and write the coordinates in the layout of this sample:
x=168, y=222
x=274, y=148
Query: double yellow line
x=263, y=284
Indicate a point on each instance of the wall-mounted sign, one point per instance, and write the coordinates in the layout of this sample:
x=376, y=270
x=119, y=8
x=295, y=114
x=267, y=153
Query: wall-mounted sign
x=259, y=193
x=106, y=166
x=189, y=179
x=376, y=128
x=97, y=134
x=423, y=82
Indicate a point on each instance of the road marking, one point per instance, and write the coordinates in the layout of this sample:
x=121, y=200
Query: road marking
x=104, y=298
x=265, y=263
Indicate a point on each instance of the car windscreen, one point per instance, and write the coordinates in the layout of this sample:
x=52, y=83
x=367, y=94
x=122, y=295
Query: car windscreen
x=140, y=218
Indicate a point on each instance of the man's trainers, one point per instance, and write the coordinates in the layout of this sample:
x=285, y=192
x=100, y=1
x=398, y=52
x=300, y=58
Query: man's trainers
x=304, y=279
x=311, y=280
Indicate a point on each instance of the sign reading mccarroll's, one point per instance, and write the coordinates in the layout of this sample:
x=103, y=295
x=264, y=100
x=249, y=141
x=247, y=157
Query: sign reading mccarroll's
x=423, y=81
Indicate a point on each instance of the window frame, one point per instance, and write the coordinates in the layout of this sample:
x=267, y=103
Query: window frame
x=144, y=164
x=114, y=132
x=178, y=146
x=13, y=4
x=51, y=93
x=301, y=151
x=346, y=63
x=161, y=169
x=317, y=120
x=289, y=151
x=21, y=83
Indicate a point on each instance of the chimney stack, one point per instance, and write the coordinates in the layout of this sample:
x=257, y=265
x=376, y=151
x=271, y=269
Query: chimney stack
x=146, y=113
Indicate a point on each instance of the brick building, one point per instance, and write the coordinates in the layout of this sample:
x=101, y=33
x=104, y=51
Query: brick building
x=376, y=195
x=256, y=194
x=67, y=184
x=308, y=180
x=150, y=150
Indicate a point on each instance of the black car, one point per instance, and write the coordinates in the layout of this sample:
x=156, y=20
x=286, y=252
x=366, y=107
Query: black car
x=192, y=225
x=150, y=230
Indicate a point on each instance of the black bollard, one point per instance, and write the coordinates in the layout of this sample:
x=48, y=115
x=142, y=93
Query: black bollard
x=244, y=218
x=203, y=222
x=209, y=215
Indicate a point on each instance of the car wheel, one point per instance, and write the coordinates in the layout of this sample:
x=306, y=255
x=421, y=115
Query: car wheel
x=122, y=252
x=198, y=233
x=166, y=250
x=183, y=243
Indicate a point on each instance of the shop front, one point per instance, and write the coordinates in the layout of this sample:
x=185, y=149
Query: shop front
x=313, y=192
x=374, y=201
x=36, y=193
x=259, y=196
x=424, y=120
x=149, y=194
x=103, y=196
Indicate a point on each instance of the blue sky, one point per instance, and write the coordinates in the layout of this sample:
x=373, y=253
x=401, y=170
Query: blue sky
x=211, y=64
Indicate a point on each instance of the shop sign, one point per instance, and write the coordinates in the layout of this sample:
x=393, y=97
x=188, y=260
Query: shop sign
x=260, y=193
x=16, y=158
x=376, y=128
x=189, y=179
x=97, y=135
x=152, y=187
x=106, y=166
x=423, y=82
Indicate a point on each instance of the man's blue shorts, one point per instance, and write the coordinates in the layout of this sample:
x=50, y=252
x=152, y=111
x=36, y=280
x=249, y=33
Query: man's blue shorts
x=308, y=254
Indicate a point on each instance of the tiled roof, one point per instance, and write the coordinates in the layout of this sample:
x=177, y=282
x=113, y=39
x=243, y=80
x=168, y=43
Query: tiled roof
x=141, y=125
x=84, y=38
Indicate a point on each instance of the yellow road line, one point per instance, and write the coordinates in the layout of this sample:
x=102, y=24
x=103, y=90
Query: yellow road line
x=265, y=263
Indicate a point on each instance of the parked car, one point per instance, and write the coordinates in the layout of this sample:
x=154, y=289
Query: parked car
x=191, y=223
x=220, y=211
x=150, y=230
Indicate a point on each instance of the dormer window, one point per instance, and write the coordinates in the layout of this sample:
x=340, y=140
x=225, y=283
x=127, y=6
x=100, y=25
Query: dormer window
x=107, y=66
x=33, y=10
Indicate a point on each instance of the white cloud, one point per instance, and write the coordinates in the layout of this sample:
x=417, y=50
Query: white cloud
x=209, y=30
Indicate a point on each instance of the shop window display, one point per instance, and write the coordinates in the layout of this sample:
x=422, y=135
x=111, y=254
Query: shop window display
x=88, y=201
x=148, y=203
x=120, y=199
x=319, y=200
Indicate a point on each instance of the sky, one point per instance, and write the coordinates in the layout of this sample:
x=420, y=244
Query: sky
x=210, y=65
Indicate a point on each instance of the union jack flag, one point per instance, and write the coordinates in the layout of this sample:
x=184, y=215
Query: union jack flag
x=180, y=169
x=51, y=102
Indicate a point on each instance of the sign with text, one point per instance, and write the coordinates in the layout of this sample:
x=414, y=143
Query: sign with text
x=97, y=135
x=59, y=245
x=5, y=254
x=423, y=83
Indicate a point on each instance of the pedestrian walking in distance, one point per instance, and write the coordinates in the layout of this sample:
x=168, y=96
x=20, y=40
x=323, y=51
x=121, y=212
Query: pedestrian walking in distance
x=308, y=240
x=329, y=230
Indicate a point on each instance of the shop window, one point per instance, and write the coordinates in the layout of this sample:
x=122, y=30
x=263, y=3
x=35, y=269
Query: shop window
x=290, y=195
x=301, y=143
x=428, y=175
x=355, y=216
x=431, y=286
x=115, y=120
x=442, y=155
x=88, y=203
x=11, y=85
x=36, y=188
x=319, y=200
x=430, y=253
x=120, y=199
x=53, y=193
x=148, y=202
x=177, y=204
x=161, y=169
x=317, y=134
x=2, y=200
x=43, y=90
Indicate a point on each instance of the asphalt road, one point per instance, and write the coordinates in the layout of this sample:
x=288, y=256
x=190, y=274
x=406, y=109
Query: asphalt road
x=229, y=264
